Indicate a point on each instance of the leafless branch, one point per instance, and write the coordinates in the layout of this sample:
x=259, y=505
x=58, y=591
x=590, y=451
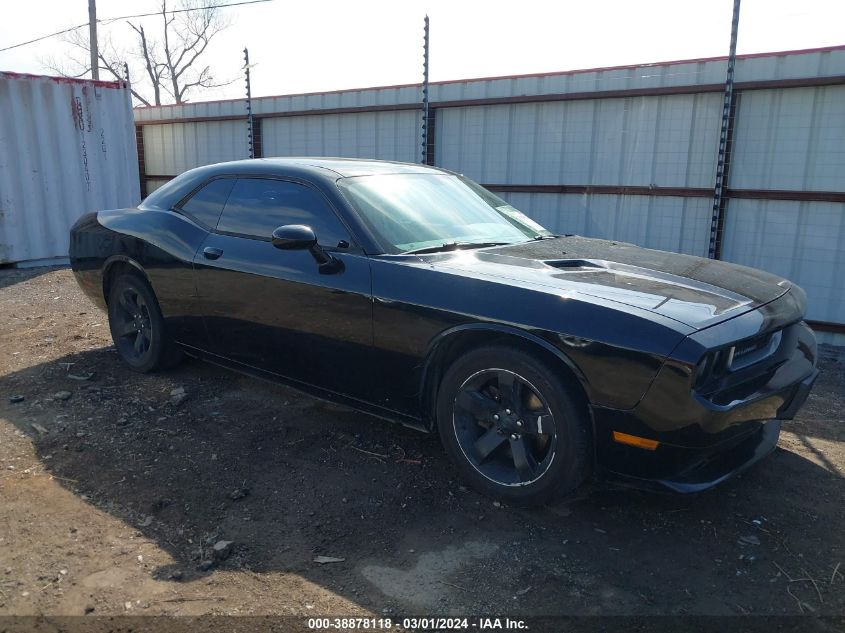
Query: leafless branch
x=164, y=51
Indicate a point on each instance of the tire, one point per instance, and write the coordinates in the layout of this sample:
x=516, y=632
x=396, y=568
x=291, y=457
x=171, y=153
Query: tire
x=137, y=326
x=510, y=424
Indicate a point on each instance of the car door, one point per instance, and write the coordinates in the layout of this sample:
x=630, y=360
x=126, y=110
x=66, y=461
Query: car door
x=173, y=277
x=276, y=310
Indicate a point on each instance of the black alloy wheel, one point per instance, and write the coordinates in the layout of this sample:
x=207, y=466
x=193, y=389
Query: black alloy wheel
x=504, y=428
x=137, y=326
x=134, y=329
x=513, y=425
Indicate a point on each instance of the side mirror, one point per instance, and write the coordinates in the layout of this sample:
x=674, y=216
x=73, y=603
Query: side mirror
x=298, y=237
x=294, y=237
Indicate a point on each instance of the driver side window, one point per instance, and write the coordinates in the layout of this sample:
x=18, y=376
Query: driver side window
x=257, y=206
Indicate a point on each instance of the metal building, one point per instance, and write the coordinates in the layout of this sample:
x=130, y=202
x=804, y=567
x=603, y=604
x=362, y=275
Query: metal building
x=627, y=153
x=67, y=146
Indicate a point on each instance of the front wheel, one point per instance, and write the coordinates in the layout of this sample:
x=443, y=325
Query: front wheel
x=512, y=427
x=137, y=326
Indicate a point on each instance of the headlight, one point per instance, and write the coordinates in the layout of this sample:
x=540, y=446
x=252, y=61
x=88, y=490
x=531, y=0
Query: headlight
x=747, y=353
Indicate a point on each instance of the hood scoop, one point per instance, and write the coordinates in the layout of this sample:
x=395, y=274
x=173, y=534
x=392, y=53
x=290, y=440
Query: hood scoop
x=572, y=264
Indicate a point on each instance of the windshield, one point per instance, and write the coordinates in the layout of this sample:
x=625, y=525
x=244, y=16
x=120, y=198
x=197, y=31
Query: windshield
x=410, y=212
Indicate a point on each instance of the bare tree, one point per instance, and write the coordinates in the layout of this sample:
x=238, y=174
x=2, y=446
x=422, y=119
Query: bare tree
x=75, y=63
x=166, y=58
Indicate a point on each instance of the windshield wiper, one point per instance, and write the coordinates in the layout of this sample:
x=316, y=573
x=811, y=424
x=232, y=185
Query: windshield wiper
x=452, y=246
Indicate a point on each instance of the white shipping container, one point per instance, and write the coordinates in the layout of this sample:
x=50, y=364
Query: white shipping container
x=67, y=147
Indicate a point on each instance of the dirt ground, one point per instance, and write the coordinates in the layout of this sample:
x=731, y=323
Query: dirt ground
x=112, y=497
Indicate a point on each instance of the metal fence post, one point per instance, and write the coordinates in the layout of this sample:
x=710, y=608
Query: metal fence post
x=723, y=159
x=250, y=137
x=424, y=139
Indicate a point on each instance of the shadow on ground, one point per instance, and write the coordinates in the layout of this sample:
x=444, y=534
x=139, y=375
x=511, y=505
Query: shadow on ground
x=287, y=479
x=11, y=276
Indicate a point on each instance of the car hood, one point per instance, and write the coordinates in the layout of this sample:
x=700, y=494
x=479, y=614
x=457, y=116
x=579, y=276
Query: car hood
x=695, y=291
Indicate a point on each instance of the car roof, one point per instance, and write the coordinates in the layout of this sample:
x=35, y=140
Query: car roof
x=343, y=167
x=327, y=170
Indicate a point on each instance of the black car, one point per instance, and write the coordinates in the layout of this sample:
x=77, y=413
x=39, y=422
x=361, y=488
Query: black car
x=414, y=294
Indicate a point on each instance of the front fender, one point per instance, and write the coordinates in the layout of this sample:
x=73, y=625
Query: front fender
x=605, y=374
x=443, y=338
x=437, y=351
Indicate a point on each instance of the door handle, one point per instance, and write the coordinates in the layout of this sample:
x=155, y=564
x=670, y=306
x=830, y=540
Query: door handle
x=210, y=252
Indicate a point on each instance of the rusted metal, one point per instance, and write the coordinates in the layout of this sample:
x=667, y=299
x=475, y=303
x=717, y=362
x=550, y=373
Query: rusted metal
x=826, y=326
x=290, y=113
x=679, y=192
x=620, y=190
x=777, y=194
x=672, y=192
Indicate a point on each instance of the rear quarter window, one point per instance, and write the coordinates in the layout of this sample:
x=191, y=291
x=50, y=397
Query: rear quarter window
x=207, y=204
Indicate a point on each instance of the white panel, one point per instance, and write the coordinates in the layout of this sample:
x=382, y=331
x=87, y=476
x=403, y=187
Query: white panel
x=788, y=66
x=67, y=147
x=578, y=145
x=666, y=141
x=608, y=143
x=790, y=139
x=381, y=135
x=800, y=241
x=173, y=148
x=665, y=223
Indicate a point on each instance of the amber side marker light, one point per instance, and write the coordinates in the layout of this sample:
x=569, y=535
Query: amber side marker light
x=633, y=440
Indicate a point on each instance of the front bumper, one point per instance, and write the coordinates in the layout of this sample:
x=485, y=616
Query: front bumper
x=701, y=443
x=702, y=470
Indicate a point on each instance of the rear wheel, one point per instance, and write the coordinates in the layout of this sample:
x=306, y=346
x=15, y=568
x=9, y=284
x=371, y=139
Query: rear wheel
x=512, y=426
x=137, y=326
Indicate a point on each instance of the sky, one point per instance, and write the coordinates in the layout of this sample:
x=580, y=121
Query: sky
x=326, y=45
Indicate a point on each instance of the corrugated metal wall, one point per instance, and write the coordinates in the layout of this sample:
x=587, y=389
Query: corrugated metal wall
x=653, y=141
x=625, y=153
x=66, y=147
x=791, y=139
x=172, y=149
x=663, y=141
x=664, y=222
x=382, y=135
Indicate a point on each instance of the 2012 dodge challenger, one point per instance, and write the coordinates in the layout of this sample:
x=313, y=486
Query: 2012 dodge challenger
x=414, y=294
